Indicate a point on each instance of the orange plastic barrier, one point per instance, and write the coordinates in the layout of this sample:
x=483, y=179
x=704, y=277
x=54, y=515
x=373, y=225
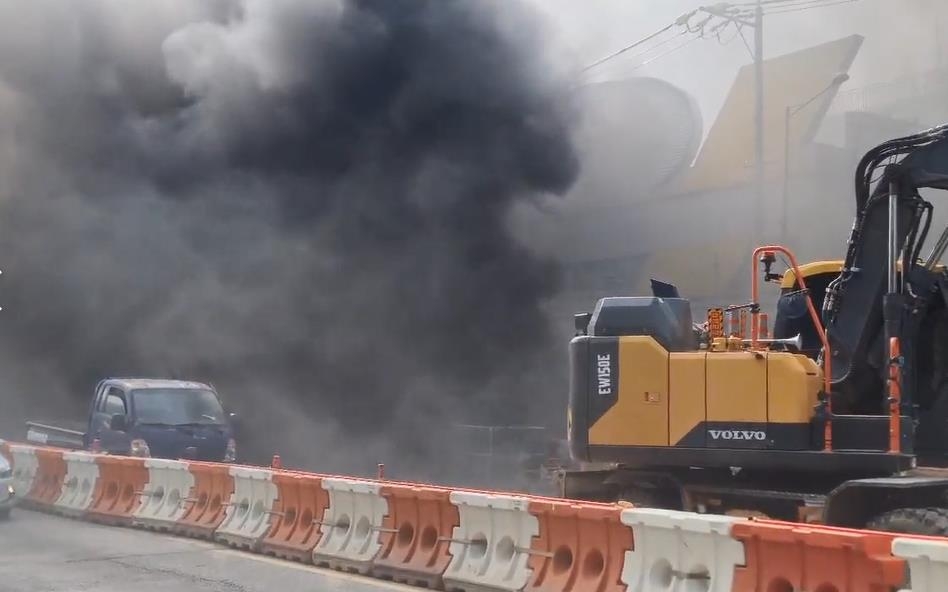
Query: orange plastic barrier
x=784, y=557
x=581, y=546
x=50, y=474
x=118, y=491
x=207, y=503
x=415, y=535
x=297, y=513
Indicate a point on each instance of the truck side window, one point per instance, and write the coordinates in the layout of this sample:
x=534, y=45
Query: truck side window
x=114, y=403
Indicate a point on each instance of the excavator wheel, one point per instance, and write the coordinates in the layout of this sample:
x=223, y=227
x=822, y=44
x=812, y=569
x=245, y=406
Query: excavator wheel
x=921, y=521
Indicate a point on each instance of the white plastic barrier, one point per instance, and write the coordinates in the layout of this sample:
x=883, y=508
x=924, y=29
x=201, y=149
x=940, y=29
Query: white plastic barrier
x=82, y=473
x=25, y=465
x=247, y=518
x=164, y=499
x=675, y=550
x=490, y=547
x=350, y=525
x=927, y=562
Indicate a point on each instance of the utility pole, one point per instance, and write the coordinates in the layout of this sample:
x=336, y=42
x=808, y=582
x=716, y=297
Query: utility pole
x=731, y=14
x=758, y=119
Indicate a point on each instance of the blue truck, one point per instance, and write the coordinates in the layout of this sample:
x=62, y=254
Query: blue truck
x=145, y=417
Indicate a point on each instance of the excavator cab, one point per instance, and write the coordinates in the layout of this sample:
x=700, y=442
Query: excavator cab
x=791, y=317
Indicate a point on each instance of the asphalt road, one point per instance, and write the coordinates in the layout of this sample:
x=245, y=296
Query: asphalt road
x=41, y=553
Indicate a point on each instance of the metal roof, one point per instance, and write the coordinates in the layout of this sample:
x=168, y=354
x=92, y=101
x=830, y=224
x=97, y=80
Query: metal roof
x=727, y=157
x=154, y=383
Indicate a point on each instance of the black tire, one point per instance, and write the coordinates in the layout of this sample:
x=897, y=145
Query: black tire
x=921, y=521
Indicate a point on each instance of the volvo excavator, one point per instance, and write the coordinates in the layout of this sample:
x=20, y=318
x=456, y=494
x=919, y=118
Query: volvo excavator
x=839, y=415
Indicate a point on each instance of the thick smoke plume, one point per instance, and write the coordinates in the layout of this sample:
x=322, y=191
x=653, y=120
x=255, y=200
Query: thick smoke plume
x=303, y=201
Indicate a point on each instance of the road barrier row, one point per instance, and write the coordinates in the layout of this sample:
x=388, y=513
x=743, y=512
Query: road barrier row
x=250, y=509
x=164, y=501
x=351, y=525
x=458, y=540
x=79, y=484
x=298, y=515
x=415, y=535
x=206, y=506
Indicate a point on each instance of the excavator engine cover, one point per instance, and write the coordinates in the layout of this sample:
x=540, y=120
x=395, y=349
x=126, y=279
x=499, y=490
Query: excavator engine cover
x=668, y=320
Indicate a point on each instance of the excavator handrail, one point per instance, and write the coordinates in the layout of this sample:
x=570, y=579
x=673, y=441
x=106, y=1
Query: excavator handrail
x=755, y=328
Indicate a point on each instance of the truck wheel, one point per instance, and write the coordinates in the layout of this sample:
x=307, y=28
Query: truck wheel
x=922, y=521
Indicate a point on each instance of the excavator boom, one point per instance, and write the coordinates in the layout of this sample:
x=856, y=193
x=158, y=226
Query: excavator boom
x=891, y=225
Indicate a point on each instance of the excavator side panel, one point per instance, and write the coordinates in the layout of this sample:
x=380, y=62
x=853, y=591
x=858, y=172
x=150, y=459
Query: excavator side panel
x=737, y=400
x=594, y=388
x=687, y=410
x=793, y=385
x=640, y=414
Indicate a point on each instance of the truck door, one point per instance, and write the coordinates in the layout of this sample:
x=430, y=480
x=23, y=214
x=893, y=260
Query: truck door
x=111, y=402
x=91, y=417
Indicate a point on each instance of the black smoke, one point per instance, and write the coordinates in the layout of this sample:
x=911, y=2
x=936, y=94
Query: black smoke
x=304, y=202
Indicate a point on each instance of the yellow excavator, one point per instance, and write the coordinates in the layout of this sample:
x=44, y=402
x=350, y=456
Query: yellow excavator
x=839, y=415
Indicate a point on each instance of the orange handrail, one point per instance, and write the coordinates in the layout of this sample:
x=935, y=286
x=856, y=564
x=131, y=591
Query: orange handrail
x=827, y=355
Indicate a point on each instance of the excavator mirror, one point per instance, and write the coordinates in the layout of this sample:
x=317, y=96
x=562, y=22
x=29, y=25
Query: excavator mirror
x=767, y=259
x=581, y=322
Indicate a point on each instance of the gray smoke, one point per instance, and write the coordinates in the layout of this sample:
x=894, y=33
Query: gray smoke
x=303, y=201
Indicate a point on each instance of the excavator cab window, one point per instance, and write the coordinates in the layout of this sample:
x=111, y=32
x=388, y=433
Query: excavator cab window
x=794, y=319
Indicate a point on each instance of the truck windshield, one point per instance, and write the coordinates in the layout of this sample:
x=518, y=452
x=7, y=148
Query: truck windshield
x=176, y=406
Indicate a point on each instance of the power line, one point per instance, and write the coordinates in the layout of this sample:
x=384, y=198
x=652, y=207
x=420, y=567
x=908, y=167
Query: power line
x=682, y=21
x=628, y=48
x=746, y=9
x=750, y=52
x=661, y=55
x=651, y=49
x=779, y=3
x=738, y=14
x=754, y=3
x=786, y=10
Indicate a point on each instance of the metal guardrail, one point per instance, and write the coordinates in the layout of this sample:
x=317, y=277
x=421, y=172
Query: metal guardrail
x=41, y=433
x=881, y=96
x=512, y=457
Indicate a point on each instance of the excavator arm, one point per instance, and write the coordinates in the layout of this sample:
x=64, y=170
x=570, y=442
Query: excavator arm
x=883, y=290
